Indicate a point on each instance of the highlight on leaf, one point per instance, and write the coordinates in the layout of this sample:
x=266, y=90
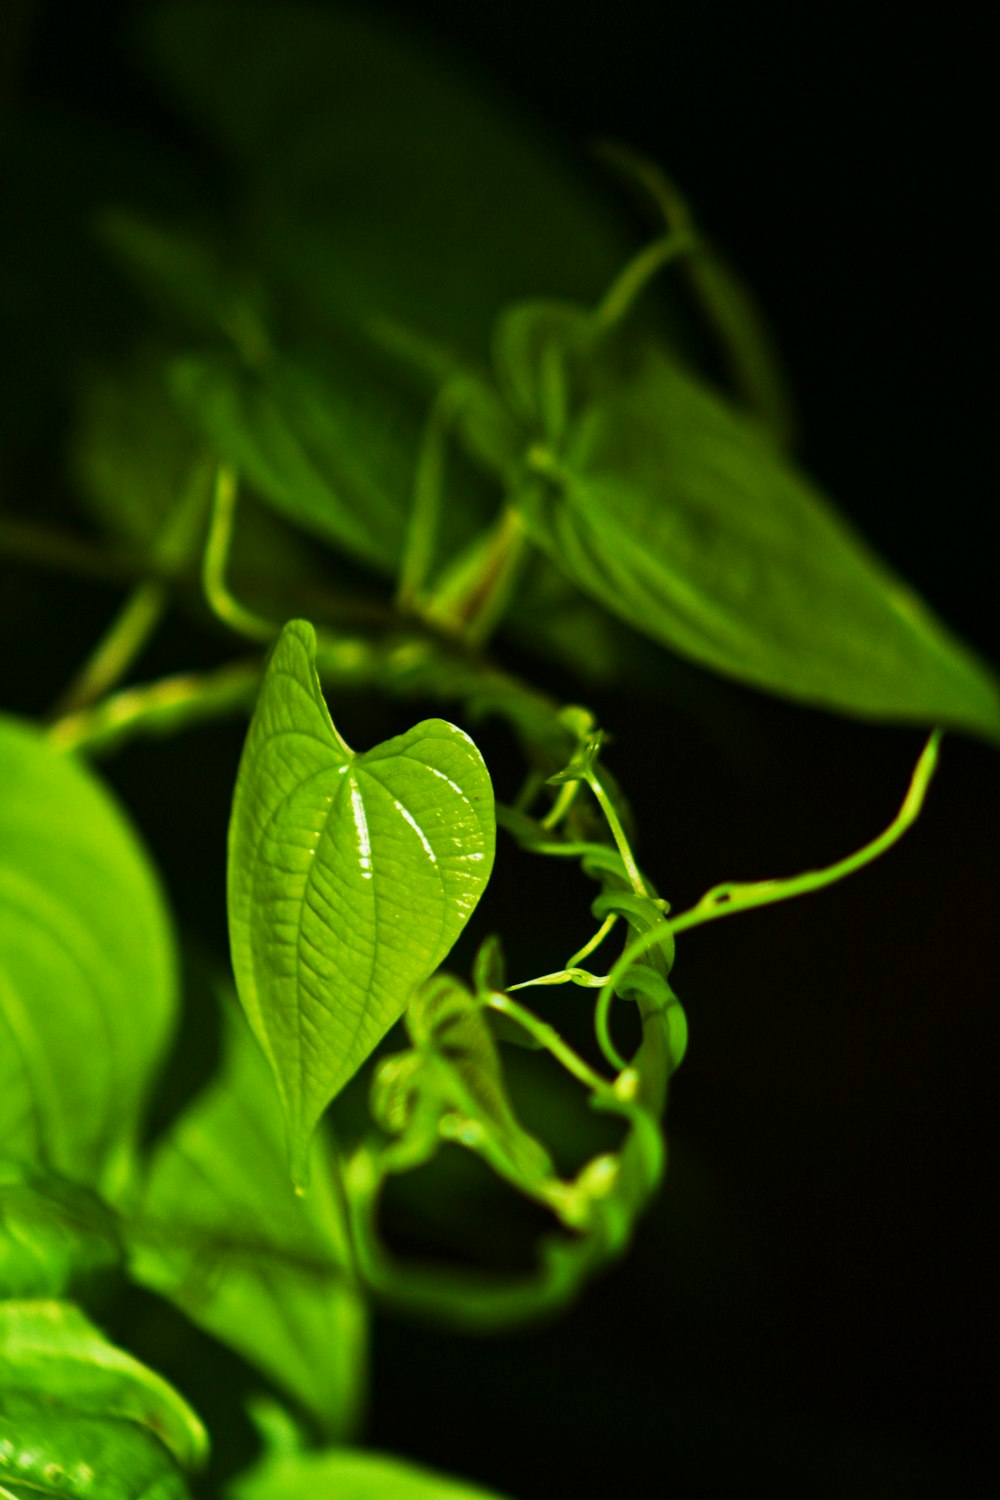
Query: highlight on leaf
x=350, y=878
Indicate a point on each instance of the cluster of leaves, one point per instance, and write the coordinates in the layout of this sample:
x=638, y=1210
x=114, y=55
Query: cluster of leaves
x=429, y=457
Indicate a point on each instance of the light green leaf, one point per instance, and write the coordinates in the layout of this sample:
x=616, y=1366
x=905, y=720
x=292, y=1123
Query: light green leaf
x=350, y=878
x=680, y=517
x=56, y=1238
x=53, y=1451
x=451, y=1087
x=221, y=1234
x=87, y=969
x=51, y=1353
x=350, y=1474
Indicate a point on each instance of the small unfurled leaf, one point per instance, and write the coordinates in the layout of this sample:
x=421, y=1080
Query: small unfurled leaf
x=350, y=878
x=456, y=1088
x=221, y=1234
x=87, y=969
x=351, y=1474
x=51, y=1353
x=679, y=516
x=56, y=1238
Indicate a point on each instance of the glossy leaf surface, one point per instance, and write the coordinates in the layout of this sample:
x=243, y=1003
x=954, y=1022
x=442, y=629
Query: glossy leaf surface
x=87, y=981
x=350, y=1474
x=51, y=1352
x=224, y=1237
x=681, y=518
x=53, y=1451
x=350, y=878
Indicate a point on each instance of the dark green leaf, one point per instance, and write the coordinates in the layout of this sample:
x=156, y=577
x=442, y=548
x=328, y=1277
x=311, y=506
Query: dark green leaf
x=87, y=967
x=682, y=519
x=188, y=274
x=349, y=1474
x=385, y=179
x=51, y=1353
x=350, y=877
x=132, y=454
x=328, y=449
x=266, y=1272
x=138, y=467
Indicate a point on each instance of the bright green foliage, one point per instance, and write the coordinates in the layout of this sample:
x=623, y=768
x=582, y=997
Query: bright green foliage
x=80, y=1416
x=51, y=1352
x=345, y=338
x=677, y=514
x=451, y=1087
x=350, y=877
x=53, y=1451
x=222, y=1235
x=86, y=965
x=56, y=1238
x=347, y=1474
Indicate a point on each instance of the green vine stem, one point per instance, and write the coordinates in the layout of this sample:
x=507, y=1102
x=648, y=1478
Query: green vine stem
x=725, y=900
x=618, y=1194
x=158, y=708
x=220, y=534
x=146, y=605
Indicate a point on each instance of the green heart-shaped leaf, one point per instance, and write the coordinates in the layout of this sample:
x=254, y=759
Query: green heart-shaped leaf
x=350, y=878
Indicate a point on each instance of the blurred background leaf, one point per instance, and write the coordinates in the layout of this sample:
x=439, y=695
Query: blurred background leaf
x=222, y=1235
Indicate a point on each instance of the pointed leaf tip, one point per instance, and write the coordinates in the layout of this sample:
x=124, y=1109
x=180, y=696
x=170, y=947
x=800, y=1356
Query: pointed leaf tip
x=350, y=878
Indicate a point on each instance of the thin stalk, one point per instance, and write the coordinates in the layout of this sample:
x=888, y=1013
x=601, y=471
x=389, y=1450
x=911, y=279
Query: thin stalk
x=220, y=535
x=724, y=900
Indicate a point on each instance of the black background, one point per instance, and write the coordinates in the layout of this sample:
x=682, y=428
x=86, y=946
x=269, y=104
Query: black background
x=810, y=1309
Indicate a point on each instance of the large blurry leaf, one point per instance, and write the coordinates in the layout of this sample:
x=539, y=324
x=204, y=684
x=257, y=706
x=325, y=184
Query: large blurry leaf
x=224, y=1237
x=186, y=274
x=384, y=179
x=673, y=511
x=56, y=1238
x=87, y=981
x=350, y=1474
x=50, y=1352
x=350, y=878
x=132, y=454
x=140, y=467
